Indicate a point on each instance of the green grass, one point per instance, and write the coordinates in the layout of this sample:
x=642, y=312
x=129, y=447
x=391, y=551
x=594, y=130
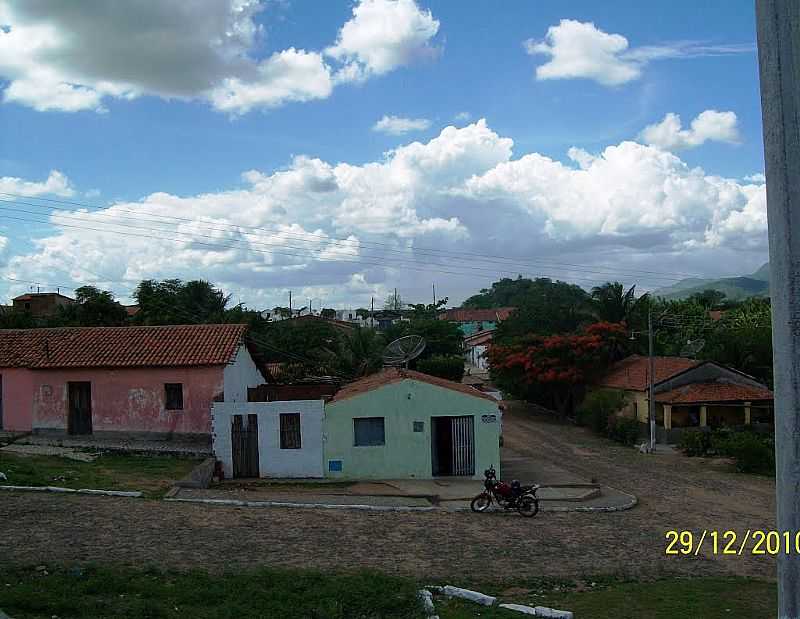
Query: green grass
x=151, y=474
x=124, y=592
x=709, y=598
x=109, y=592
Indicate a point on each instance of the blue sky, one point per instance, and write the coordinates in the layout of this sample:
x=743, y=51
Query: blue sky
x=107, y=117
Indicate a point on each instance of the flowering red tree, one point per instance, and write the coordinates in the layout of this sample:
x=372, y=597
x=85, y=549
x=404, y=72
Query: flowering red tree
x=553, y=370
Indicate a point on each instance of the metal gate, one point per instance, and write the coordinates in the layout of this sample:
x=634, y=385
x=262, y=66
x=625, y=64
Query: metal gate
x=463, y=441
x=244, y=443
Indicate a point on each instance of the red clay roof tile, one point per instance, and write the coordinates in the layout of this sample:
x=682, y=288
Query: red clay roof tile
x=714, y=391
x=631, y=372
x=117, y=347
x=389, y=376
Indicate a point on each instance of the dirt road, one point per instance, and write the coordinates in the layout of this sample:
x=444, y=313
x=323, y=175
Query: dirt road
x=674, y=492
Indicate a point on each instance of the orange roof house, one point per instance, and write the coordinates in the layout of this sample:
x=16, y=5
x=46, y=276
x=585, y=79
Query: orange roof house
x=689, y=393
x=153, y=380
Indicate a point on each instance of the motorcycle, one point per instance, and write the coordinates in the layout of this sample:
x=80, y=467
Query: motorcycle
x=508, y=496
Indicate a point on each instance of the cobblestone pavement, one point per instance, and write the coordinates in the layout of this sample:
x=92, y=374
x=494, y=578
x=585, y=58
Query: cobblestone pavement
x=674, y=492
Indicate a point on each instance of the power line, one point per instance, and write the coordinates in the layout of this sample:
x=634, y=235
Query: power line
x=338, y=240
x=193, y=240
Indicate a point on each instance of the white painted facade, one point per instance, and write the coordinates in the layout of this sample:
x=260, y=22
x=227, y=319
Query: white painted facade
x=240, y=374
x=477, y=357
x=305, y=462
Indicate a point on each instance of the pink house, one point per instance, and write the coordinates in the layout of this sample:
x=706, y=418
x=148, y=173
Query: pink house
x=154, y=381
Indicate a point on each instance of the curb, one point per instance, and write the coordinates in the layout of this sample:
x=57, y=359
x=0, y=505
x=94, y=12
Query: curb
x=236, y=503
x=132, y=494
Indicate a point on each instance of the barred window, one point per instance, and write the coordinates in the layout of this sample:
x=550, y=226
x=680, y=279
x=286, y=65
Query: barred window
x=290, y=430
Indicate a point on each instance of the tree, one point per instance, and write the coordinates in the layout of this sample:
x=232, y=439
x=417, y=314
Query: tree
x=173, y=301
x=554, y=370
x=422, y=311
x=362, y=312
x=442, y=338
x=393, y=302
x=92, y=308
x=328, y=313
x=611, y=303
x=548, y=307
x=359, y=353
x=709, y=298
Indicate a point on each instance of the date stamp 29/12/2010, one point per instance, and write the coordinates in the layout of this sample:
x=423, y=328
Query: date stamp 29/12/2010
x=734, y=543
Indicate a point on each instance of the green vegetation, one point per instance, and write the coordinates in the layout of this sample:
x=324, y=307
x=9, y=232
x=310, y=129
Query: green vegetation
x=128, y=593
x=449, y=367
x=153, y=475
x=709, y=598
x=734, y=288
x=94, y=591
x=598, y=412
x=751, y=452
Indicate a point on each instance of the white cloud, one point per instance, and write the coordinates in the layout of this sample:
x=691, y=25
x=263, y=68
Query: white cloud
x=381, y=36
x=462, y=117
x=397, y=125
x=758, y=179
x=56, y=184
x=72, y=56
x=708, y=126
x=582, y=50
x=351, y=231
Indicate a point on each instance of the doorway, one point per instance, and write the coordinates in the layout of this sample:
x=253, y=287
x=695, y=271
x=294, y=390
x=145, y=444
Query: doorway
x=79, y=418
x=453, y=446
x=244, y=446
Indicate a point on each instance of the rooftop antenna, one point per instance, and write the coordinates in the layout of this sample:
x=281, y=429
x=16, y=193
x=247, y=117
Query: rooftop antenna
x=402, y=350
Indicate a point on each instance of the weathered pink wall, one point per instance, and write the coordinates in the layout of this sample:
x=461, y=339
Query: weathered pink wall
x=129, y=400
x=17, y=400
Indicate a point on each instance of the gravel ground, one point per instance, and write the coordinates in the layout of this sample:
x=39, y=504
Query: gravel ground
x=674, y=493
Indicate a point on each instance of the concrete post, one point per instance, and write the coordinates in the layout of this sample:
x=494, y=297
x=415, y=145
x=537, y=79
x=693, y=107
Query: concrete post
x=778, y=25
x=703, y=416
x=668, y=416
x=747, y=413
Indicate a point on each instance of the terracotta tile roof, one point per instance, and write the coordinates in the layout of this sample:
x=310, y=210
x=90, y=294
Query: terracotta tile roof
x=631, y=372
x=495, y=314
x=714, y=391
x=389, y=376
x=479, y=337
x=118, y=347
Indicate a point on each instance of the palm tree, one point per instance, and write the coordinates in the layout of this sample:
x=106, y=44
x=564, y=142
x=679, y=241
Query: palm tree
x=359, y=353
x=612, y=303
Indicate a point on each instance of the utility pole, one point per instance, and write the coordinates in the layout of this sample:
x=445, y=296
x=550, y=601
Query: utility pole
x=290, y=304
x=778, y=29
x=651, y=404
x=395, y=299
x=434, y=296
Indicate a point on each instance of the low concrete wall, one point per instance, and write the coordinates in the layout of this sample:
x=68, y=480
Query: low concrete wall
x=200, y=476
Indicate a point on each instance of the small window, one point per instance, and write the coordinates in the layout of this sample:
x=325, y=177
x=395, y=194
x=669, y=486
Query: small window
x=290, y=430
x=369, y=431
x=419, y=426
x=174, y=393
x=27, y=306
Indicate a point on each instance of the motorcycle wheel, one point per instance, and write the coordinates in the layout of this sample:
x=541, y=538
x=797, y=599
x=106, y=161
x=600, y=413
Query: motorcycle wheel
x=480, y=503
x=528, y=506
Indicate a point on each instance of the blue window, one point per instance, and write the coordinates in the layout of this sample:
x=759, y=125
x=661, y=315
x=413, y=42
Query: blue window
x=368, y=431
x=335, y=466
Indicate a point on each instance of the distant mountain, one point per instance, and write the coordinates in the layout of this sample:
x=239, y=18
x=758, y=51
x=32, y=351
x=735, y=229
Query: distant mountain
x=735, y=288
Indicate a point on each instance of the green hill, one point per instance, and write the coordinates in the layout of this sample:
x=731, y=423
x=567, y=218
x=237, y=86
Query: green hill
x=735, y=288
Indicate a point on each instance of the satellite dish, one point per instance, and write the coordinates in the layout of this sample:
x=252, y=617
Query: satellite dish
x=403, y=349
x=692, y=347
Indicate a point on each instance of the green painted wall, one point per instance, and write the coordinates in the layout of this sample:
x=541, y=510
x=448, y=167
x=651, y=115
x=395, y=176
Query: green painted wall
x=406, y=454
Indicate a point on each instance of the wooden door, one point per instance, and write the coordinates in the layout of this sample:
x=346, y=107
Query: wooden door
x=244, y=446
x=79, y=416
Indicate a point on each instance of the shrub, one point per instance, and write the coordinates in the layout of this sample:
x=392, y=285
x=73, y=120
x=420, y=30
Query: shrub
x=750, y=452
x=597, y=407
x=623, y=429
x=449, y=367
x=695, y=442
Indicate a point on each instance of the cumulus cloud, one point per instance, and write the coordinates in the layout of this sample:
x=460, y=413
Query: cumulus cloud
x=381, y=36
x=582, y=50
x=72, y=56
x=56, y=184
x=708, y=126
x=758, y=179
x=350, y=231
x=397, y=125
